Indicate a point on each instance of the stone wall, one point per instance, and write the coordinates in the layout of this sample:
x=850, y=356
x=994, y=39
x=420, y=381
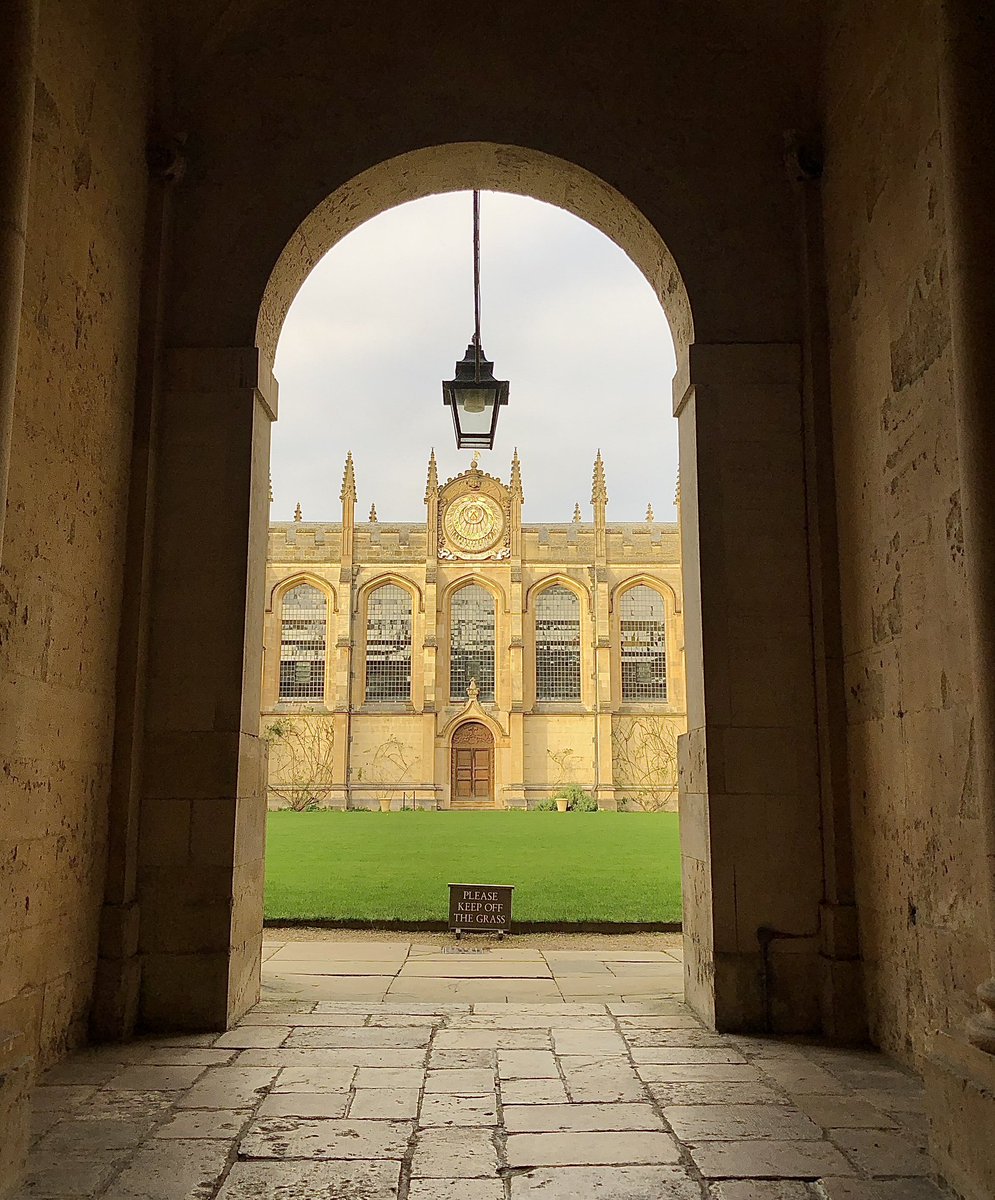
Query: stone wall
x=60, y=580
x=916, y=821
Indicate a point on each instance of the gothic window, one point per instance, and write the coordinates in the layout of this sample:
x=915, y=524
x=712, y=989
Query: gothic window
x=644, y=645
x=471, y=620
x=557, y=644
x=388, y=644
x=302, y=644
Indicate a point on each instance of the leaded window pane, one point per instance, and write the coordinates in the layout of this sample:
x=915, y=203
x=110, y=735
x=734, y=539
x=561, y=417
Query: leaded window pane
x=557, y=645
x=644, y=645
x=388, y=644
x=302, y=644
x=471, y=617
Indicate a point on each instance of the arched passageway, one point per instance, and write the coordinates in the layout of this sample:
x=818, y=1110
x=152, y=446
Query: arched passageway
x=752, y=850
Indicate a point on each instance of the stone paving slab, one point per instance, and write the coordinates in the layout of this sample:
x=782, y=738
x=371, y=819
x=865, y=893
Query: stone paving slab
x=760, y=1189
x=172, y=1170
x=724, y=1122
x=361, y=1180
x=769, y=1159
x=359, y=969
x=533, y=1091
x=590, y=1149
x=443, y=1109
x=285, y=1137
x=456, y=1189
x=455, y=1154
x=605, y=1183
x=579, y=1118
x=331, y=1037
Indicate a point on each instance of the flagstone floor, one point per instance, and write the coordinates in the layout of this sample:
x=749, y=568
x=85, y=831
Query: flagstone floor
x=473, y=968
x=401, y=1071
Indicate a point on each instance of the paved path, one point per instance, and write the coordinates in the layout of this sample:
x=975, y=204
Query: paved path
x=444, y=1099
x=474, y=968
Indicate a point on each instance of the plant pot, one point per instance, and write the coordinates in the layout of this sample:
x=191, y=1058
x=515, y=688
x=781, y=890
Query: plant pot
x=561, y=805
x=384, y=805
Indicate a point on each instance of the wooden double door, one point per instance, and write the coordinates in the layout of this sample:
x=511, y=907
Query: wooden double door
x=472, y=767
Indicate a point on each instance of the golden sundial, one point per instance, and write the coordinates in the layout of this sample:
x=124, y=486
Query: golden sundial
x=474, y=523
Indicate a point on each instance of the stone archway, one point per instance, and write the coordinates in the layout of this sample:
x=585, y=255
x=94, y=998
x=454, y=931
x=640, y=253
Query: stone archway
x=754, y=950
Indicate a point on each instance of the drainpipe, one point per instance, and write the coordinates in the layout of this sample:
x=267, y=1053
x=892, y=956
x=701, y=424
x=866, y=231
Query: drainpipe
x=18, y=49
x=967, y=125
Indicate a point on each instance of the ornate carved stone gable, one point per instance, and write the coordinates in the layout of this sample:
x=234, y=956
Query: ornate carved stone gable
x=474, y=517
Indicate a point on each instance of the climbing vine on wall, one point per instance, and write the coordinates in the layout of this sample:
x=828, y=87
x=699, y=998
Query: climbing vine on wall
x=644, y=759
x=387, y=766
x=302, y=763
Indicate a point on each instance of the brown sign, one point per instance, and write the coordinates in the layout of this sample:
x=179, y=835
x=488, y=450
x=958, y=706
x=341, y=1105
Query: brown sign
x=480, y=907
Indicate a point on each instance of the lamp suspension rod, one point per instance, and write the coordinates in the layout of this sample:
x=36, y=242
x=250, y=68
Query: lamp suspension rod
x=476, y=284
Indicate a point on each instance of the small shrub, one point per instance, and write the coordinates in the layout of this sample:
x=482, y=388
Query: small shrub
x=545, y=805
x=585, y=803
x=578, y=800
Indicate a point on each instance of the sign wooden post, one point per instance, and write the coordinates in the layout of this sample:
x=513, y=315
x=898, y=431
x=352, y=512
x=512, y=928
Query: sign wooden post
x=480, y=908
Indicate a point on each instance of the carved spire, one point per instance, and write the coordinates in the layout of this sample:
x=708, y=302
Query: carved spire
x=298, y=515
x=649, y=513
x=516, y=477
x=373, y=514
x=348, y=480
x=599, y=489
x=432, y=485
x=271, y=488
x=577, y=516
x=677, y=490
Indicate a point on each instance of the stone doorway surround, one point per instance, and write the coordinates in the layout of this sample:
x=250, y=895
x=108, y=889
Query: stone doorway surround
x=430, y=1092
x=472, y=767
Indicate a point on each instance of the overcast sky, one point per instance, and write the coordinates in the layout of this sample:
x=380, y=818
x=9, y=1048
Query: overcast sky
x=567, y=318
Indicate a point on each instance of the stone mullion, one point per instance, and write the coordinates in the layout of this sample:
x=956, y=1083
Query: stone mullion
x=603, y=688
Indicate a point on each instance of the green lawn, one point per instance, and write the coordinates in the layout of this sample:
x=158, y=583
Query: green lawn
x=573, y=868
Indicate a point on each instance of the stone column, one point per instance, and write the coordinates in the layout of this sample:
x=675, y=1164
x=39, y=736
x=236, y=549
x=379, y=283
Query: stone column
x=968, y=119
x=18, y=44
x=201, y=848
x=603, y=701
x=345, y=642
x=961, y=1073
x=430, y=640
x=842, y=992
x=750, y=806
x=513, y=793
x=116, y=987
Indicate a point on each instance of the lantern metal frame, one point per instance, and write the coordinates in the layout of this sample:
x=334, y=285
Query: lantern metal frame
x=474, y=373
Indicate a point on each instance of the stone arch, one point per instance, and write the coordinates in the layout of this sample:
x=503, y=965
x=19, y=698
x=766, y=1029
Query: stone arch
x=371, y=585
x=651, y=581
x=486, y=166
x=280, y=589
x=572, y=585
x=228, y=298
x=489, y=585
x=474, y=714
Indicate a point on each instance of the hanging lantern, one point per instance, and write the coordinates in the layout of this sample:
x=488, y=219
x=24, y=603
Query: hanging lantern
x=474, y=395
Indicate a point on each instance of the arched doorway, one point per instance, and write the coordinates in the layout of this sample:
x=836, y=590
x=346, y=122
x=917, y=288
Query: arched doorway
x=472, y=767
